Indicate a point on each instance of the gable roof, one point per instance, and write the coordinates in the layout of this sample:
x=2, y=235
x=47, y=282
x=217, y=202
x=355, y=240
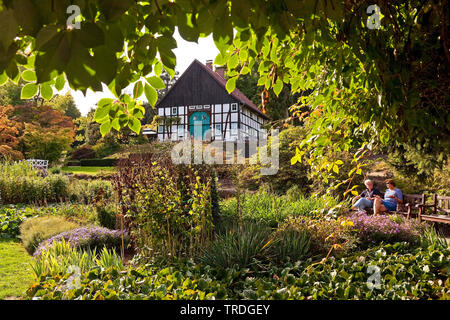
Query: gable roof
x=237, y=94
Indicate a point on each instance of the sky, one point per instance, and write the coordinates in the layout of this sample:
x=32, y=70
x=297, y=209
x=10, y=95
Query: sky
x=185, y=53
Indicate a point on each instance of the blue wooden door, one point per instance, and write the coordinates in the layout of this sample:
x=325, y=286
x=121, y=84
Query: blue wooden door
x=199, y=124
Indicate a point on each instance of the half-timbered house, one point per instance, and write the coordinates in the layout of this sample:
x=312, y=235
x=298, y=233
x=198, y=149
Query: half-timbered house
x=199, y=96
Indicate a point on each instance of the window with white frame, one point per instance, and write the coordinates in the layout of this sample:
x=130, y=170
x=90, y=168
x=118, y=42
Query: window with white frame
x=174, y=111
x=199, y=107
x=191, y=107
x=234, y=107
x=181, y=131
x=206, y=106
x=234, y=128
x=218, y=129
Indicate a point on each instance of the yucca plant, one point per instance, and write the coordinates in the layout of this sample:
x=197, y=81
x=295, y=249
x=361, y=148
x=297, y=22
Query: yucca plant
x=59, y=257
x=109, y=258
x=290, y=244
x=431, y=236
x=241, y=246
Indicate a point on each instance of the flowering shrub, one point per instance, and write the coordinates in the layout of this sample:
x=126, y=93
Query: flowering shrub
x=373, y=229
x=324, y=234
x=87, y=237
x=35, y=230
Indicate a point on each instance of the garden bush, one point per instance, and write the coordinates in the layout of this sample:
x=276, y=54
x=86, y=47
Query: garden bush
x=106, y=215
x=73, y=163
x=374, y=229
x=35, y=230
x=325, y=234
x=60, y=257
x=405, y=273
x=98, y=162
x=12, y=216
x=288, y=175
x=20, y=183
x=433, y=238
x=85, y=191
x=78, y=213
x=84, y=152
x=106, y=146
x=241, y=245
x=10, y=221
x=89, y=237
x=168, y=207
x=184, y=280
x=290, y=244
x=435, y=181
x=270, y=208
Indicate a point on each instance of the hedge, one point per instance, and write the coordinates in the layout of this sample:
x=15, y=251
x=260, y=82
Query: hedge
x=98, y=162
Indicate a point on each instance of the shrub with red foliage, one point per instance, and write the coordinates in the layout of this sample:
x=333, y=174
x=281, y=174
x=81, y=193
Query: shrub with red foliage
x=84, y=152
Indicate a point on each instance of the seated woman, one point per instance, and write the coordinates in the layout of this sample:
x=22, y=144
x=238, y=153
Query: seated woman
x=392, y=197
x=365, y=199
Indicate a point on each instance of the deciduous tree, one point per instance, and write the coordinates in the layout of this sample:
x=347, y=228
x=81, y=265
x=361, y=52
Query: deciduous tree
x=373, y=74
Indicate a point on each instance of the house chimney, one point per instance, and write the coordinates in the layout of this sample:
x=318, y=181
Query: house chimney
x=209, y=64
x=221, y=71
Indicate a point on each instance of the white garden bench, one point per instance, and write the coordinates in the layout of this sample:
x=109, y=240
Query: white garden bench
x=38, y=163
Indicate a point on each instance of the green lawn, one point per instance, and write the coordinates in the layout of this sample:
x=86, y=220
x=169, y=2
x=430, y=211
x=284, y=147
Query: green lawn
x=15, y=270
x=88, y=170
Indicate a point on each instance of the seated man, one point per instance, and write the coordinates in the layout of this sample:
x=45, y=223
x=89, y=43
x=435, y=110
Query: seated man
x=365, y=199
x=392, y=197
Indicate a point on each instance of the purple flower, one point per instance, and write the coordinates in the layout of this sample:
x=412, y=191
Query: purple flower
x=84, y=237
x=373, y=229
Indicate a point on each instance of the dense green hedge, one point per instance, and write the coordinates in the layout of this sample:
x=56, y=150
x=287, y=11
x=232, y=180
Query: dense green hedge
x=30, y=189
x=20, y=183
x=98, y=162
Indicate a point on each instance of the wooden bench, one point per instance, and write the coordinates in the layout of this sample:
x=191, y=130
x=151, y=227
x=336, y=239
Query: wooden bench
x=410, y=206
x=440, y=210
